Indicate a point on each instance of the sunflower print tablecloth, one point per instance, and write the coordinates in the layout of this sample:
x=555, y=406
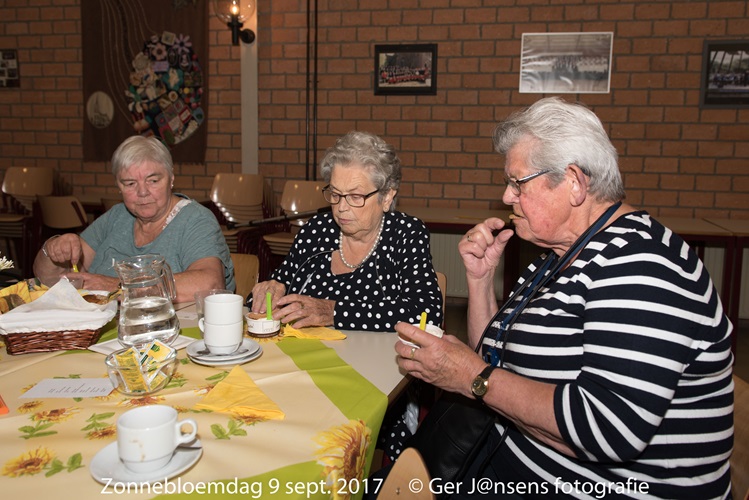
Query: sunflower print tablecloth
x=321, y=449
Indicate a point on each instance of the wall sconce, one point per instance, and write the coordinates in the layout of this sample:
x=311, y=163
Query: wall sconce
x=234, y=13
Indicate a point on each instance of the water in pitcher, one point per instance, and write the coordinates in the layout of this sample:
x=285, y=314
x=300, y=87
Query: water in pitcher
x=146, y=319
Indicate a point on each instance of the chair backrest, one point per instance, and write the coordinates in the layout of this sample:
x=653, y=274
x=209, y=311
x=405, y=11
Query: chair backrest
x=62, y=212
x=740, y=457
x=442, y=282
x=24, y=184
x=108, y=202
x=408, y=468
x=240, y=197
x=246, y=268
x=302, y=196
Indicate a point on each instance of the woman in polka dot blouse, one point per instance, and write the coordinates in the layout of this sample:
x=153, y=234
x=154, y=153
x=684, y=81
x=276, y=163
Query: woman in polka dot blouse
x=363, y=266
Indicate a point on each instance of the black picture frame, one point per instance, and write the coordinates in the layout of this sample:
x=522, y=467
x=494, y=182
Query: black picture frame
x=725, y=74
x=405, y=69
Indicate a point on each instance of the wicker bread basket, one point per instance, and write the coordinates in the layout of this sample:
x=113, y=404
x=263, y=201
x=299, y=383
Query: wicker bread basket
x=24, y=343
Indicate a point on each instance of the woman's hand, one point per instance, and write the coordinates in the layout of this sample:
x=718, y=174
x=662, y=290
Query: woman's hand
x=444, y=362
x=303, y=311
x=64, y=250
x=276, y=289
x=97, y=281
x=481, y=250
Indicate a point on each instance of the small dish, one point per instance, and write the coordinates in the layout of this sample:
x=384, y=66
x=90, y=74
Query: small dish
x=432, y=329
x=248, y=348
x=231, y=362
x=107, y=468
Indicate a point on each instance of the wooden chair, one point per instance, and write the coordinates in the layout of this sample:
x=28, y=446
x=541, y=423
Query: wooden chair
x=297, y=197
x=246, y=268
x=62, y=214
x=740, y=457
x=401, y=479
x=240, y=198
x=20, y=225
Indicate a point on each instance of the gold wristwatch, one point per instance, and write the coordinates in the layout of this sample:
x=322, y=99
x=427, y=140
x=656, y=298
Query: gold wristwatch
x=480, y=384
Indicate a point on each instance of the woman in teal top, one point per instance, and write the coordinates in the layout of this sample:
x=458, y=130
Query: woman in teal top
x=151, y=219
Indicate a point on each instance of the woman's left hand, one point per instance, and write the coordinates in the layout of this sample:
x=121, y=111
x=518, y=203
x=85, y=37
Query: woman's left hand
x=97, y=281
x=444, y=362
x=303, y=311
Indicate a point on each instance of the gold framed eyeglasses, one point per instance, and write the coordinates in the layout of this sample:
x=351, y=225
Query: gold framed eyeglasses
x=352, y=199
x=515, y=184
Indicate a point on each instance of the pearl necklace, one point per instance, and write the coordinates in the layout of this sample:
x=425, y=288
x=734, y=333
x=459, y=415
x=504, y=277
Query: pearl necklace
x=369, y=254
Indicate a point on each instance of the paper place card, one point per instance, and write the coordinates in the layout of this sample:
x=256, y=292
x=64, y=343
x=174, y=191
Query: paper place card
x=114, y=345
x=70, y=388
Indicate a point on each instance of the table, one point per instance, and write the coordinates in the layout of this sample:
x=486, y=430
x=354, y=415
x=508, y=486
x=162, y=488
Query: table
x=740, y=231
x=332, y=394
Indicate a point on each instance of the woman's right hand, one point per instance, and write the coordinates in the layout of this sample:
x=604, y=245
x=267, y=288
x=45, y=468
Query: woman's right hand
x=65, y=250
x=481, y=250
x=276, y=289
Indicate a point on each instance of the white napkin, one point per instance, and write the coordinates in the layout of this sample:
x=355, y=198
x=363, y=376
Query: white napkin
x=60, y=309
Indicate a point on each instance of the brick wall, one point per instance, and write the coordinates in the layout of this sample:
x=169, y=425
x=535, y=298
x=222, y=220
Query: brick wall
x=677, y=159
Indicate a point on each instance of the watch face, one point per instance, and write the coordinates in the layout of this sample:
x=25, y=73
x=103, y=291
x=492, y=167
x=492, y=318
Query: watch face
x=479, y=386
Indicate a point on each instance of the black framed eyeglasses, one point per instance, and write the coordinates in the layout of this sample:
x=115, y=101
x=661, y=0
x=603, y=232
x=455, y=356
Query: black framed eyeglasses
x=515, y=184
x=352, y=199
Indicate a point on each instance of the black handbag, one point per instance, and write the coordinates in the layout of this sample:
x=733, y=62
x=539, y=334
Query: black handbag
x=451, y=435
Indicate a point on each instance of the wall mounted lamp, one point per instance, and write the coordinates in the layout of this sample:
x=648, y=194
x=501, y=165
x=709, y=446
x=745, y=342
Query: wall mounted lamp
x=235, y=13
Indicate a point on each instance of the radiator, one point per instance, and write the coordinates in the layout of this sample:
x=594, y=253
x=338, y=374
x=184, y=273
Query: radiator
x=447, y=260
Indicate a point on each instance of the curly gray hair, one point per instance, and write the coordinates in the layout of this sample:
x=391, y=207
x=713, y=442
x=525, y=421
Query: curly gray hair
x=373, y=153
x=564, y=133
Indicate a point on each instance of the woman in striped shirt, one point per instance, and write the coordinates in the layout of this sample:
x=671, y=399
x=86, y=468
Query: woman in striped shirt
x=614, y=380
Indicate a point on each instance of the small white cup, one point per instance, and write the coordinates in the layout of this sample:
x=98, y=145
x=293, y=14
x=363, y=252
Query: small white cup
x=221, y=339
x=259, y=325
x=147, y=437
x=223, y=309
x=432, y=329
x=202, y=294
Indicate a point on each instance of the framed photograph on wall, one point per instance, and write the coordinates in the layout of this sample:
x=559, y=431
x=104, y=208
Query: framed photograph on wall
x=566, y=63
x=725, y=74
x=405, y=69
x=9, y=77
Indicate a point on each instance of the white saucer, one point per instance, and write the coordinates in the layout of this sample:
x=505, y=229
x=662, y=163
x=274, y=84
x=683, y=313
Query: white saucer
x=107, y=468
x=249, y=347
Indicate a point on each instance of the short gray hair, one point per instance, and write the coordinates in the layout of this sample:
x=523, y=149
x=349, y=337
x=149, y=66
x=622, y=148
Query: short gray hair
x=564, y=133
x=138, y=149
x=373, y=153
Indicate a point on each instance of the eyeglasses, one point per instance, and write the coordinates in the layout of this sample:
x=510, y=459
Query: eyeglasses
x=515, y=184
x=352, y=199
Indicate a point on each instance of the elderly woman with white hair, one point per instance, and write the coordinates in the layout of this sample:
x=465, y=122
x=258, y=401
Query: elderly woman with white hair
x=151, y=220
x=609, y=368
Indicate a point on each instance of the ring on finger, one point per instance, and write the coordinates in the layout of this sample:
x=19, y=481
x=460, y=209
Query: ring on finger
x=468, y=237
x=413, y=351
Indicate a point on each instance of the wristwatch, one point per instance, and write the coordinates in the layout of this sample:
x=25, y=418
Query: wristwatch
x=480, y=384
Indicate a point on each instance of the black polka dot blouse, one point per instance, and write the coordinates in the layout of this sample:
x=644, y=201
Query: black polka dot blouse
x=397, y=282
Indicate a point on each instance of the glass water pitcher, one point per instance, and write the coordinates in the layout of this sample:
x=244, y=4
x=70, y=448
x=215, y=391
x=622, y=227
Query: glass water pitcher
x=146, y=312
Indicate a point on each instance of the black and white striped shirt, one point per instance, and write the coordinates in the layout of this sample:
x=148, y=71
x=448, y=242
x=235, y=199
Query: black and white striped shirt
x=634, y=336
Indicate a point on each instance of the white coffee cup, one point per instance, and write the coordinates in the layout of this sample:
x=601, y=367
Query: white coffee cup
x=223, y=309
x=147, y=437
x=432, y=329
x=202, y=294
x=221, y=339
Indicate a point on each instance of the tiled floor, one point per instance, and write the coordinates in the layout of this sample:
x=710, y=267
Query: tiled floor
x=455, y=324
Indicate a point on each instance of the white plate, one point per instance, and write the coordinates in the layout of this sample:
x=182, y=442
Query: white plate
x=246, y=359
x=247, y=348
x=107, y=468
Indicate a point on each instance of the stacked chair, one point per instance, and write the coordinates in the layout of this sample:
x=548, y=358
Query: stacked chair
x=20, y=223
x=298, y=197
x=62, y=214
x=240, y=198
